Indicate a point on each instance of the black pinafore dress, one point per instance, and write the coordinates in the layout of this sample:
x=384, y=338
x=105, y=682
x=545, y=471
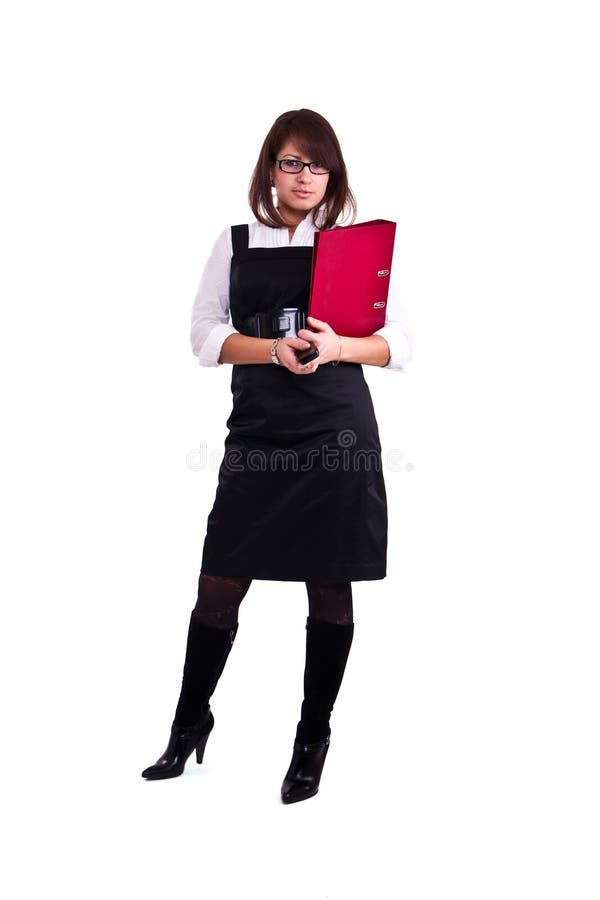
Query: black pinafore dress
x=301, y=494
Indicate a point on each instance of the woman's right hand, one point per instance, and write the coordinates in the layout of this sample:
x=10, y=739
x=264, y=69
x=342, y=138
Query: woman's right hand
x=286, y=351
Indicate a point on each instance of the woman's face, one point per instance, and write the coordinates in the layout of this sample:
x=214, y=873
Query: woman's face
x=297, y=194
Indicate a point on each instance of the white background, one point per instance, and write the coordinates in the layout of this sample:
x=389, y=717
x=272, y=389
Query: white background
x=465, y=738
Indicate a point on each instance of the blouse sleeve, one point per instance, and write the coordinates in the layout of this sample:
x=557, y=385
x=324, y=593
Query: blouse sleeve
x=210, y=313
x=397, y=331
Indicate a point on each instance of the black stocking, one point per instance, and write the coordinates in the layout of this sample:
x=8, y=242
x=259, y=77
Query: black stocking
x=219, y=600
x=330, y=601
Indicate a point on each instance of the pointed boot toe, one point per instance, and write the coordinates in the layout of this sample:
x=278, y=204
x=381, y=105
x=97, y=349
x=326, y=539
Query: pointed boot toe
x=304, y=774
x=182, y=743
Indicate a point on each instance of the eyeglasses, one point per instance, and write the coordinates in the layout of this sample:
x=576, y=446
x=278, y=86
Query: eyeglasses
x=295, y=166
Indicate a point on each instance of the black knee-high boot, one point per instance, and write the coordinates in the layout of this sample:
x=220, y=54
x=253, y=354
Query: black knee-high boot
x=327, y=649
x=206, y=654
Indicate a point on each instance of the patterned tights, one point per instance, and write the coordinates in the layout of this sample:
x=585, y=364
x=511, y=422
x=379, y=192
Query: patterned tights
x=219, y=600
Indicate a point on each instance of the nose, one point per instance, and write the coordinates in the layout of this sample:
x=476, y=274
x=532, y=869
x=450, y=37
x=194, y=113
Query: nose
x=305, y=174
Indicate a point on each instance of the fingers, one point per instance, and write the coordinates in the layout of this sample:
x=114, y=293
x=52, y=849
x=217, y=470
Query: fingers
x=318, y=325
x=299, y=368
x=287, y=355
x=315, y=338
x=298, y=343
x=307, y=334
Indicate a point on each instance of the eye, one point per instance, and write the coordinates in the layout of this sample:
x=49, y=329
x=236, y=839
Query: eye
x=292, y=163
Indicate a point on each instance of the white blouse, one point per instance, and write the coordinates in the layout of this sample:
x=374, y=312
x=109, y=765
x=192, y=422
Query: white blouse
x=211, y=322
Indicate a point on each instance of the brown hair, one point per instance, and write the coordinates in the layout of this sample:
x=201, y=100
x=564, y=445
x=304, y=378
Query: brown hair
x=316, y=138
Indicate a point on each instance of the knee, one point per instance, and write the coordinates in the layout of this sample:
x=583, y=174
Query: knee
x=330, y=601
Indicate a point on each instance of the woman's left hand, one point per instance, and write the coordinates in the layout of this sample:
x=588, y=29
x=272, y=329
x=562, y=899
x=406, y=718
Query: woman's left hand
x=327, y=341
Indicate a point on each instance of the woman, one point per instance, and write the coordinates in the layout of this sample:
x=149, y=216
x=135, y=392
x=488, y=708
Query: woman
x=292, y=504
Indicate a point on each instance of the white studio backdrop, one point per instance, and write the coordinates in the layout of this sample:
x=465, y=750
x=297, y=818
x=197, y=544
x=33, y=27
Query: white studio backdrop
x=464, y=748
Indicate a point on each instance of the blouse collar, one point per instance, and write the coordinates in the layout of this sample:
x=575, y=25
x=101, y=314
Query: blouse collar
x=305, y=232
x=264, y=236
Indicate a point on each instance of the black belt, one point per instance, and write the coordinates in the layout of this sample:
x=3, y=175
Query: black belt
x=284, y=322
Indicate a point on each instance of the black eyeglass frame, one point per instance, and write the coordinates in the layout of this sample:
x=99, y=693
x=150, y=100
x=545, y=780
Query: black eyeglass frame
x=278, y=163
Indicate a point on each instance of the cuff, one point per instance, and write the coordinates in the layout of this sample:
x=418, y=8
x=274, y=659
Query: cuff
x=211, y=348
x=400, y=347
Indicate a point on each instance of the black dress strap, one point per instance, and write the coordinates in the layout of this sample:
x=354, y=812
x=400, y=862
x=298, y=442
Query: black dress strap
x=240, y=237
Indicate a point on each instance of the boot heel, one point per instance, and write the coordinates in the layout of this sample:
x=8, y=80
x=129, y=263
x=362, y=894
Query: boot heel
x=200, y=748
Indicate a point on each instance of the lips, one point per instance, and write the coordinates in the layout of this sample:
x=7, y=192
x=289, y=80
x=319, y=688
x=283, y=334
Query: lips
x=303, y=193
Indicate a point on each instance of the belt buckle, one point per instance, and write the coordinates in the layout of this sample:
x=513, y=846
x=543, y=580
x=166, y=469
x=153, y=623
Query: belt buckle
x=281, y=325
x=287, y=321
